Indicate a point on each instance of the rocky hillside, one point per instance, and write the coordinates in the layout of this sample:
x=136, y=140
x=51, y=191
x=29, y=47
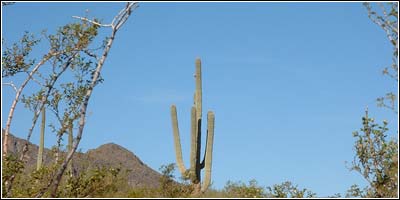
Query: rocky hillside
x=114, y=155
x=108, y=155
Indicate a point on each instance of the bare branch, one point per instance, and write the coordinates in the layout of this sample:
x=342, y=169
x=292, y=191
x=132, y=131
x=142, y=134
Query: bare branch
x=91, y=21
x=35, y=80
x=384, y=24
x=117, y=16
x=91, y=54
x=118, y=20
x=127, y=12
x=12, y=85
x=386, y=17
x=7, y=3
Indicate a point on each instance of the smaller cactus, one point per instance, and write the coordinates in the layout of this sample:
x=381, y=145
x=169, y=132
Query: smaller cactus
x=41, y=143
x=70, y=141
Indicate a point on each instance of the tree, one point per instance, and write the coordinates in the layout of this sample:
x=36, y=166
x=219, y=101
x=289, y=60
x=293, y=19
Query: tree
x=71, y=49
x=67, y=45
x=376, y=156
x=376, y=160
x=115, y=25
x=387, y=18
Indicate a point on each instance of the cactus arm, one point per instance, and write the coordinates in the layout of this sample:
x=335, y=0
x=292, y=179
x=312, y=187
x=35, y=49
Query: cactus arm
x=198, y=149
x=41, y=143
x=177, y=140
x=209, y=148
x=205, y=154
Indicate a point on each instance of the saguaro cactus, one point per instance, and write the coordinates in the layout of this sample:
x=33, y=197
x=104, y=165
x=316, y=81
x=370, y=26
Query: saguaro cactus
x=41, y=143
x=70, y=141
x=193, y=173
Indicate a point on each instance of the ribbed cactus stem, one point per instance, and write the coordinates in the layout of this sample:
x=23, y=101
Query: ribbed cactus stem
x=41, y=142
x=209, y=149
x=198, y=105
x=70, y=141
x=177, y=140
x=70, y=136
x=196, y=117
x=198, y=89
x=193, y=150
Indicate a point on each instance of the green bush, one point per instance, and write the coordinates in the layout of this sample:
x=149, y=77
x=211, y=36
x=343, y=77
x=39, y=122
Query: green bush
x=241, y=190
x=288, y=190
x=376, y=160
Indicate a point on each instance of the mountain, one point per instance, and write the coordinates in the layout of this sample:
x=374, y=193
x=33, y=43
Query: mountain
x=115, y=155
x=107, y=155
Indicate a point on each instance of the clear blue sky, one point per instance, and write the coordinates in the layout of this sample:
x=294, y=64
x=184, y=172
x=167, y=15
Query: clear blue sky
x=288, y=83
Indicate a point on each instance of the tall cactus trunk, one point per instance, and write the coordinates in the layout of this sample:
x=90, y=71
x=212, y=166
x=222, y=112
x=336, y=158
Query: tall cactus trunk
x=41, y=143
x=193, y=173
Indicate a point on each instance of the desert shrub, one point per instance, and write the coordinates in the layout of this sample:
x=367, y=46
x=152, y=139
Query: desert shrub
x=27, y=183
x=241, y=190
x=96, y=182
x=288, y=190
x=169, y=188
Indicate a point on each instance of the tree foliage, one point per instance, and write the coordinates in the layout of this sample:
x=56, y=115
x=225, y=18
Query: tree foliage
x=95, y=182
x=288, y=190
x=14, y=58
x=376, y=156
x=376, y=160
x=242, y=190
x=387, y=18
